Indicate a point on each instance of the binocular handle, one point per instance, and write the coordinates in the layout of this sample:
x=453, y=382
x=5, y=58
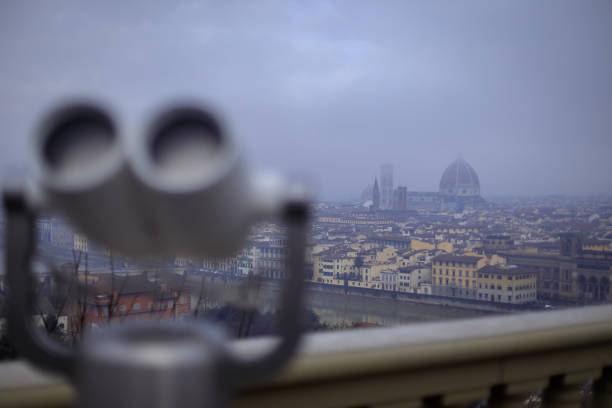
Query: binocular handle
x=25, y=337
x=241, y=371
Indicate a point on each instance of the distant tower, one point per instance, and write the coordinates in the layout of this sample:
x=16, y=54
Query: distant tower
x=401, y=194
x=375, y=196
x=386, y=186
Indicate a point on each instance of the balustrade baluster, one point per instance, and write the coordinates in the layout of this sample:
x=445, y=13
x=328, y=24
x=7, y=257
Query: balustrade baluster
x=456, y=399
x=565, y=391
x=602, y=390
x=514, y=395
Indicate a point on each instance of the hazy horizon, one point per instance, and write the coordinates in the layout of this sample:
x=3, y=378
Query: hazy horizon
x=330, y=90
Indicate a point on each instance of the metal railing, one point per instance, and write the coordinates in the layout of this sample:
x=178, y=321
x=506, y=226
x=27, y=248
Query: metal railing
x=444, y=364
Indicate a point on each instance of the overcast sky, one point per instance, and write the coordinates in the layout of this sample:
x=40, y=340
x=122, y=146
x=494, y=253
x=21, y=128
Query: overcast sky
x=331, y=90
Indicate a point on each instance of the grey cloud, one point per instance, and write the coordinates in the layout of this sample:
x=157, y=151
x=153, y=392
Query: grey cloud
x=331, y=90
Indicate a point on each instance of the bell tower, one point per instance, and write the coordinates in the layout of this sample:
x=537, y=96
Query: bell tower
x=375, y=196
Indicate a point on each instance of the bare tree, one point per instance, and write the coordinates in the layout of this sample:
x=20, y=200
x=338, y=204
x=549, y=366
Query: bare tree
x=201, y=296
x=253, y=287
x=177, y=294
x=57, y=302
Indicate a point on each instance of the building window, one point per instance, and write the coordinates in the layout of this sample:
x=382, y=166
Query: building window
x=136, y=306
x=122, y=308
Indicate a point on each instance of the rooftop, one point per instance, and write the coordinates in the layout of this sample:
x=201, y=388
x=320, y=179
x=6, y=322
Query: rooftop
x=457, y=258
x=505, y=270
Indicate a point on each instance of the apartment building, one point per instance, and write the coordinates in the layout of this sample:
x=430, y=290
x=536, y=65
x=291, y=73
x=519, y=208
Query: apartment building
x=507, y=284
x=456, y=276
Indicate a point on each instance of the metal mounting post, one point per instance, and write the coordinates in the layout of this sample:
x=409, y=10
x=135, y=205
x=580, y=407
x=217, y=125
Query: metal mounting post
x=147, y=364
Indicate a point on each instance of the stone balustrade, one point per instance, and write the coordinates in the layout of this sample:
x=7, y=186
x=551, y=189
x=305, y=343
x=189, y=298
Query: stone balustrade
x=546, y=357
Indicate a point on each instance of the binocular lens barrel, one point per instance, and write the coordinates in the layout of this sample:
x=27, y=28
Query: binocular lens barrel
x=81, y=171
x=193, y=178
x=77, y=144
x=187, y=142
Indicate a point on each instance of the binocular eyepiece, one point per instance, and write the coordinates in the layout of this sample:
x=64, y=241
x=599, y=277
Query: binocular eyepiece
x=179, y=187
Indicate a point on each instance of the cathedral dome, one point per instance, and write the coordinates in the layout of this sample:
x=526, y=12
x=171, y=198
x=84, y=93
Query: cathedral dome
x=460, y=179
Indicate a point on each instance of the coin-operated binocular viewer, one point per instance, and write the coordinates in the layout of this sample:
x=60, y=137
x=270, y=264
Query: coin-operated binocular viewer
x=181, y=187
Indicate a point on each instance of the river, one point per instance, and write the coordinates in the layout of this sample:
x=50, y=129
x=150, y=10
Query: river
x=334, y=309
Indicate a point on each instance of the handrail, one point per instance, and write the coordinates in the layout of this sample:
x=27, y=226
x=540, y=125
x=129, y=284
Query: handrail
x=373, y=350
x=443, y=363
